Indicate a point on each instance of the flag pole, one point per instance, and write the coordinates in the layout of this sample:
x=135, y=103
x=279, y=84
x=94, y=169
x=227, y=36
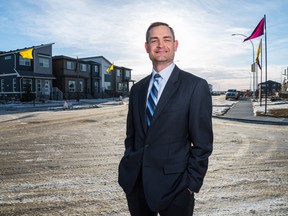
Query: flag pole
x=266, y=85
x=260, y=91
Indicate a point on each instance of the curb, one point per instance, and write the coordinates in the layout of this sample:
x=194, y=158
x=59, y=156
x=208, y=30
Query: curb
x=254, y=121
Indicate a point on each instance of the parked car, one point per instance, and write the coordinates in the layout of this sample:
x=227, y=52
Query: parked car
x=232, y=94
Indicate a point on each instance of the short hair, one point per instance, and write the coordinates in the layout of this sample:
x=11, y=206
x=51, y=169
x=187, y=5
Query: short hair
x=155, y=24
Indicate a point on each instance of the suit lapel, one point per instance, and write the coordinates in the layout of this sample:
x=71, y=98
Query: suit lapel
x=142, y=102
x=168, y=91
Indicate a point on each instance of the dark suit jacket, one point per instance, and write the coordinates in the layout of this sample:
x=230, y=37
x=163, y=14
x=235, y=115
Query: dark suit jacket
x=173, y=152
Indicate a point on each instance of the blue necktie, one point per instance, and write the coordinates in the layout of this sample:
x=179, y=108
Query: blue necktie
x=152, y=99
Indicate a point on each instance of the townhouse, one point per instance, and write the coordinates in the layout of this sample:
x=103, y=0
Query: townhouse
x=26, y=78
x=43, y=77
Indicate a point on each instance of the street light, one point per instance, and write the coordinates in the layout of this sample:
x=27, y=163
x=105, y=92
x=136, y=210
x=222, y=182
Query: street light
x=253, y=63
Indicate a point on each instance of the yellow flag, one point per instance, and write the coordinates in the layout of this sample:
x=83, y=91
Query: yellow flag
x=111, y=68
x=258, y=53
x=27, y=53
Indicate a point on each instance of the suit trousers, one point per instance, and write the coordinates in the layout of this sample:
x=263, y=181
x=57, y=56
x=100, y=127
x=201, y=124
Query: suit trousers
x=183, y=204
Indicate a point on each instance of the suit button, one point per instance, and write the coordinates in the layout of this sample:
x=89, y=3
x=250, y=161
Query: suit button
x=146, y=146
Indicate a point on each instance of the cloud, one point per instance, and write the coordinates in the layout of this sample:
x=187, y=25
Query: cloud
x=116, y=30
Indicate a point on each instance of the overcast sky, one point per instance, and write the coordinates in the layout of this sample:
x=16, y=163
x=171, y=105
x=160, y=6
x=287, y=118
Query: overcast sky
x=116, y=30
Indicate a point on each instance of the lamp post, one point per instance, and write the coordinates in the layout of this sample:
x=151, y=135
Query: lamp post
x=250, y=80
x=253, y=64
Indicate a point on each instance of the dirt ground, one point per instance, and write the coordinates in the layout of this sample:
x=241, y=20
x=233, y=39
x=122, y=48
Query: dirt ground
x=65, y=163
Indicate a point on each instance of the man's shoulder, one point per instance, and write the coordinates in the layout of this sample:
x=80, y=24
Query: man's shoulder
x=142, y=81
x=190, y=76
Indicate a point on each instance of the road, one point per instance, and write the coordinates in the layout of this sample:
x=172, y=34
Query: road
x=65, y=163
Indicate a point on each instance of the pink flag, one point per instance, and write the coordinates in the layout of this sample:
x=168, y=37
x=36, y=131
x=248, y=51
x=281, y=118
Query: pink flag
x=258, y=31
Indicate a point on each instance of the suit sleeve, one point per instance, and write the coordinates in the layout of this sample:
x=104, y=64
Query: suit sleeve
x=129, y=140
x=201, y=134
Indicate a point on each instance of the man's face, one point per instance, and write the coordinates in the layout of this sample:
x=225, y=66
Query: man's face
x=161, y=46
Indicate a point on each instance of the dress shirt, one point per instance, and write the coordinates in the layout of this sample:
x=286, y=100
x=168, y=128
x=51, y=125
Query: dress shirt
x=165, y=74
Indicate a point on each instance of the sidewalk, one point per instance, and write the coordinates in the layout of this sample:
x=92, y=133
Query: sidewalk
x=55, y=105
x=243, y=111
x=240, y=111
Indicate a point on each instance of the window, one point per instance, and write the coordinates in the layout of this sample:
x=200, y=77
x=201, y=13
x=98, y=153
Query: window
x=27, y=81
x=47, y=87
x=107, y=85
x=96, y=86
x=118, y=73
x=38, y=85
x=71, y=86
x=96, y=68
x=27, y=85
x=44, y=62
x=70, y=65
x=2, y=85
x=81, y=87
x=122, y=86
x=83, y=67
x=14, y=84
x=127, y=73
x=8, y=57
x=24, y=61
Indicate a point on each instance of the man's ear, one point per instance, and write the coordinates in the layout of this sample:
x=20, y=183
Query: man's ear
x=146, y=47
x=176, y=45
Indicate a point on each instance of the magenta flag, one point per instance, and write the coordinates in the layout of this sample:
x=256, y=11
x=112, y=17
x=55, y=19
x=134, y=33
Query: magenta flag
x=258, y=31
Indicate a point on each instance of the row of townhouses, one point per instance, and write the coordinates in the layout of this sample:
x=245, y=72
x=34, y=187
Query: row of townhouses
x=42, y=76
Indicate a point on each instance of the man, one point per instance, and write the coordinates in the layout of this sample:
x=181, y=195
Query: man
x=168, y=143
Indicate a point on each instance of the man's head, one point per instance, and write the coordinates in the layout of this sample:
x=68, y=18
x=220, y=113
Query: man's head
x=155, y=24
x=160, y=45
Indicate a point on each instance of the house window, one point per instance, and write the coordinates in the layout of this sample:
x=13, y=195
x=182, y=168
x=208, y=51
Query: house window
x=27, y=85
x=24, y=61
x=83, y=67
x=71, y=85
x=107, y=85
x=2, y=85
x=122, y=86
x=44, y=62
x=96, y=86
x=127, y=73
x=81, y=87
x=47, y=87
x=38, y=85
x=8, y=57
x=27, y=81
x=70, y=65
x=96, y=68
x=118, y=73
x=14, y=84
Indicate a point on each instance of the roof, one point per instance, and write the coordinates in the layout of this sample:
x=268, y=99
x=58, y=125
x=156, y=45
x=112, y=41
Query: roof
x=94, y=57
x=19, y=50
x=270, y=81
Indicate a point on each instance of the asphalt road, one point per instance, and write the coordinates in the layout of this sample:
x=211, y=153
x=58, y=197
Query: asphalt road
x=65, y=163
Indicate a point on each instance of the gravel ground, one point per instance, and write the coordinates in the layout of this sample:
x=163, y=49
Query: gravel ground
x=65, y=163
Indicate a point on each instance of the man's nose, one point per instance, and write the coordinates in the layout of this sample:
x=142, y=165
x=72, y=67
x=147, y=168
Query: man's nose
x=160, y=43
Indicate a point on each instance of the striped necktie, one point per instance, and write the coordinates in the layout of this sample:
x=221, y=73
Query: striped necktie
x=152, y=99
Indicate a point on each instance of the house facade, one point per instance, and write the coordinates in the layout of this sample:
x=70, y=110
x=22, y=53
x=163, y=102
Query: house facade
x=75, y=78
x=39, y=76
x=113, y=83
x=84, y=78
x=272, y=88
x=26, y=78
